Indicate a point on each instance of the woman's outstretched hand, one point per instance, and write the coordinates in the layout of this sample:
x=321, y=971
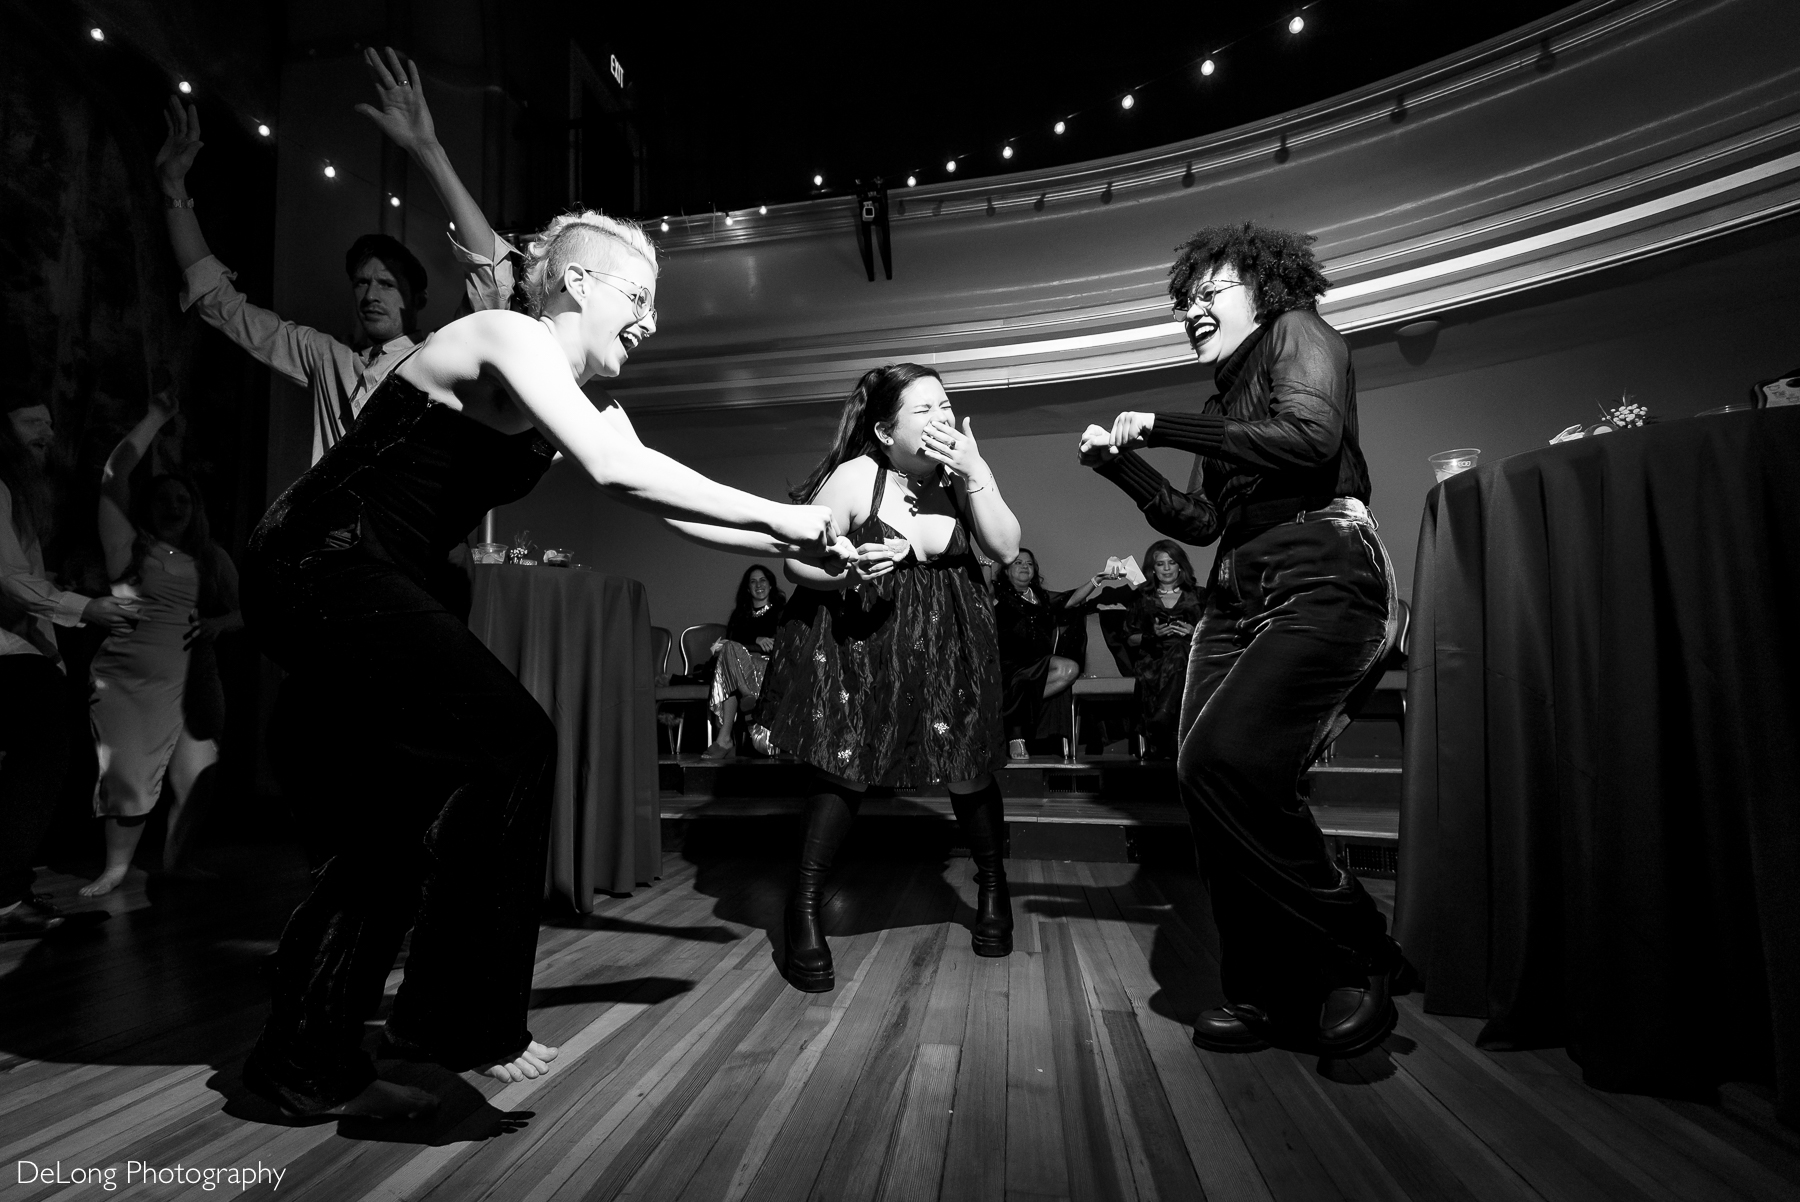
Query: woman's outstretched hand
x=403, y=115
x=179, y=148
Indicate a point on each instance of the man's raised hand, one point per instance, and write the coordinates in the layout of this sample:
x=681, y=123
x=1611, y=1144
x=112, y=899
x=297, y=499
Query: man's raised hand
x=179, y=148
x=403, y=115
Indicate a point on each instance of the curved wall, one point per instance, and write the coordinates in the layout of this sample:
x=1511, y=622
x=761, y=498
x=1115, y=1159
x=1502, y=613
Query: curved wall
x=1606, y=133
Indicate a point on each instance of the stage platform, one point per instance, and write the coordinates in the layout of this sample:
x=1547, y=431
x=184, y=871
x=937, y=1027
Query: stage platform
x=1100, y=808
x=690, y=1072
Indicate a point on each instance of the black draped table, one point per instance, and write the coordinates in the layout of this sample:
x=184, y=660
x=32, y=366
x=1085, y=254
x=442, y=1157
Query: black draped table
x=1600, y=831
x=579, y=641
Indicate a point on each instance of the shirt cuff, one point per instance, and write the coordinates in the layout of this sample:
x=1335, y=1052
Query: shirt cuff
x=1200, y=432
x=1138, y=479
x=502, y=248
x=69, y=608
x=202, y=278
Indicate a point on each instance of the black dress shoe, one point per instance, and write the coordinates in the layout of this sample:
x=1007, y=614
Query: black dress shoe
x=1352, y=1021
x=1235, y=1028
x=30, y=919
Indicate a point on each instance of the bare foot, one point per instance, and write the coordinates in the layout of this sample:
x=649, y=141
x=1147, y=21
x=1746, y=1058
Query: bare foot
x=533, y=1062
x=386, y=1100
x=103, y=884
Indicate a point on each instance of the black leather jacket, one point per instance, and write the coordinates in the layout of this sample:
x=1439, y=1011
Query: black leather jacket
x=1278, y=437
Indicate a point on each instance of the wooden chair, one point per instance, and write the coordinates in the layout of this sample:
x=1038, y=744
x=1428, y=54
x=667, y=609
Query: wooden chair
x=696, y=646
x=1100, y=677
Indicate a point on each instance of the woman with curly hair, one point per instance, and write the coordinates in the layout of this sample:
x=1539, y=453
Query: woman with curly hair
x=1296, y=612
x=741, y=655
x=1164, y=613
x=440, y=761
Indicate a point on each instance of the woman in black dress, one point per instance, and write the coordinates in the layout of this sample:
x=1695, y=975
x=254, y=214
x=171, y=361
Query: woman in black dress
x=434, y=759
x=887, y=670
x=741, y=657
x=1030, y=617
x=1164, y=612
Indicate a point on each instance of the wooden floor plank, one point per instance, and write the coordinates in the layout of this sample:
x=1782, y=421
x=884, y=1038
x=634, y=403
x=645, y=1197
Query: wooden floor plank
x=975, y=1150
x=1089, y=1151
x=1035, y=1163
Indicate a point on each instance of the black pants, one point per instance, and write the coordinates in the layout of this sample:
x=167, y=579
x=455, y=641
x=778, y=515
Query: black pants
x=425, y=768
x=34, y=734
x=1295, y=616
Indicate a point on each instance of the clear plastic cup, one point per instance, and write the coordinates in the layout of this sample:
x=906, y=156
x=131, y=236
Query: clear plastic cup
x=1447, y=463
x=490, y=553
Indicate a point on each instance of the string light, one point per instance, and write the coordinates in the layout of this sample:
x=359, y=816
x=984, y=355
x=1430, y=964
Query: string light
x=394, y=200
x=98, y=34
x=912, y=181
x=728, y=219
x=1297, y=24
x=330, y=171
x=185, y=88
x=263, y=129
x=1207, y=67
x=950, y=166
x=1128, y=102
x=1006, y=152
x=763, y=210
x=818, y=181
x=1059, y=127
x=665, y=225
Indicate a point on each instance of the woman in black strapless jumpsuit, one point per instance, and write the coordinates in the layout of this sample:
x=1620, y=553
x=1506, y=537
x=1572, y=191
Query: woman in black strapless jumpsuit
x=888, y=673
x=432, y=760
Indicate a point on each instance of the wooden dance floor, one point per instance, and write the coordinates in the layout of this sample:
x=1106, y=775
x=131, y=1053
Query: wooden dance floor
x=689, y=1070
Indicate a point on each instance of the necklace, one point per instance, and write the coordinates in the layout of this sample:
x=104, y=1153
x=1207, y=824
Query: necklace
x=1170, y=591
x=759, y=610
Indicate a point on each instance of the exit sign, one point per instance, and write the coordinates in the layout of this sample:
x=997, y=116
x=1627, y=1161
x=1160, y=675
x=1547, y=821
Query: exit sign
x=618, y=70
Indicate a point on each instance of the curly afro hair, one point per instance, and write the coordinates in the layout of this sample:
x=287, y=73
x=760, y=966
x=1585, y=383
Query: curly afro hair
x=1279, y=265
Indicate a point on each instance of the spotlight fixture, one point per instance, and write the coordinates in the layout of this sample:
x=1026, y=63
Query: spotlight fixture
x=1297, y=24
x=818, y=181
x=394, y=200
x=1208, y=67
x=1128, y=102
x=912, y=181
x=665, y=225
x=1059, y=127
x=263, y=129
x=98, y=34
x=763, y=210
x=330, y=171
x=1006, y=152
x=185, y=88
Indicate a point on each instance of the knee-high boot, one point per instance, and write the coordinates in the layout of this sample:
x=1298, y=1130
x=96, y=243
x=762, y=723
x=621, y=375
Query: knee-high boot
x=983, y=821
x=807, y=964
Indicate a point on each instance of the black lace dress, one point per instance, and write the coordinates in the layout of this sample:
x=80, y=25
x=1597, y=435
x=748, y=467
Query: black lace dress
x=894, y=682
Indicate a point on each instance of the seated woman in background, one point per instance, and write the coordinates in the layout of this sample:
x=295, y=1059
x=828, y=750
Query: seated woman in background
x=743, y=654
x=157, y=704
x=1029, y=617
x=1163, y=616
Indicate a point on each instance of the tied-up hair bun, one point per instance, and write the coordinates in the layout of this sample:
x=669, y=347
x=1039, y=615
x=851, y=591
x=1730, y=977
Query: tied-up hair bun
x=575, y=238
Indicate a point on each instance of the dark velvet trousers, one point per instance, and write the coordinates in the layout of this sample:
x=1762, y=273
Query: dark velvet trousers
x=1296, y=615
x=422, y=768
x=34, y=734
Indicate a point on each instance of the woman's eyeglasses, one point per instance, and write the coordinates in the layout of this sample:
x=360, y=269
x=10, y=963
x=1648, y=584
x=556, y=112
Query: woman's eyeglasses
x=639, y=296
x=1204, y=295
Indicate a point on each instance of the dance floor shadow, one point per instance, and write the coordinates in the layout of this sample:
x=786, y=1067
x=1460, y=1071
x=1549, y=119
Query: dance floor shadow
x=600, y=922
x=649, y=990
x=463, y=1114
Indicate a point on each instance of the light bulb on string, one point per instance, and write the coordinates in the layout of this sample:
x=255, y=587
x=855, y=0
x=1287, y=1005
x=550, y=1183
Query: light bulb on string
x=98, y=34
x=1297, y=24
x=185, y=88
x=1059, y=127
x=263, y=129
x=1129, y=102
x=763, y=210
x=818, y=181
x=665, y=225
x=330, y=171
x=394, y=201
x=728, y=219
x=950, y=166
x=1006, y=152
x=1208, y=67
x=912, y=181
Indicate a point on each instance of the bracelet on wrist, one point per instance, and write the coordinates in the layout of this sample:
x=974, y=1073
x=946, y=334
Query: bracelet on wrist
x=170, y=202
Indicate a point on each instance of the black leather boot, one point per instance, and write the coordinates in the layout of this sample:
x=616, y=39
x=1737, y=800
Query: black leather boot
x=983, y=820
x=807, y=961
